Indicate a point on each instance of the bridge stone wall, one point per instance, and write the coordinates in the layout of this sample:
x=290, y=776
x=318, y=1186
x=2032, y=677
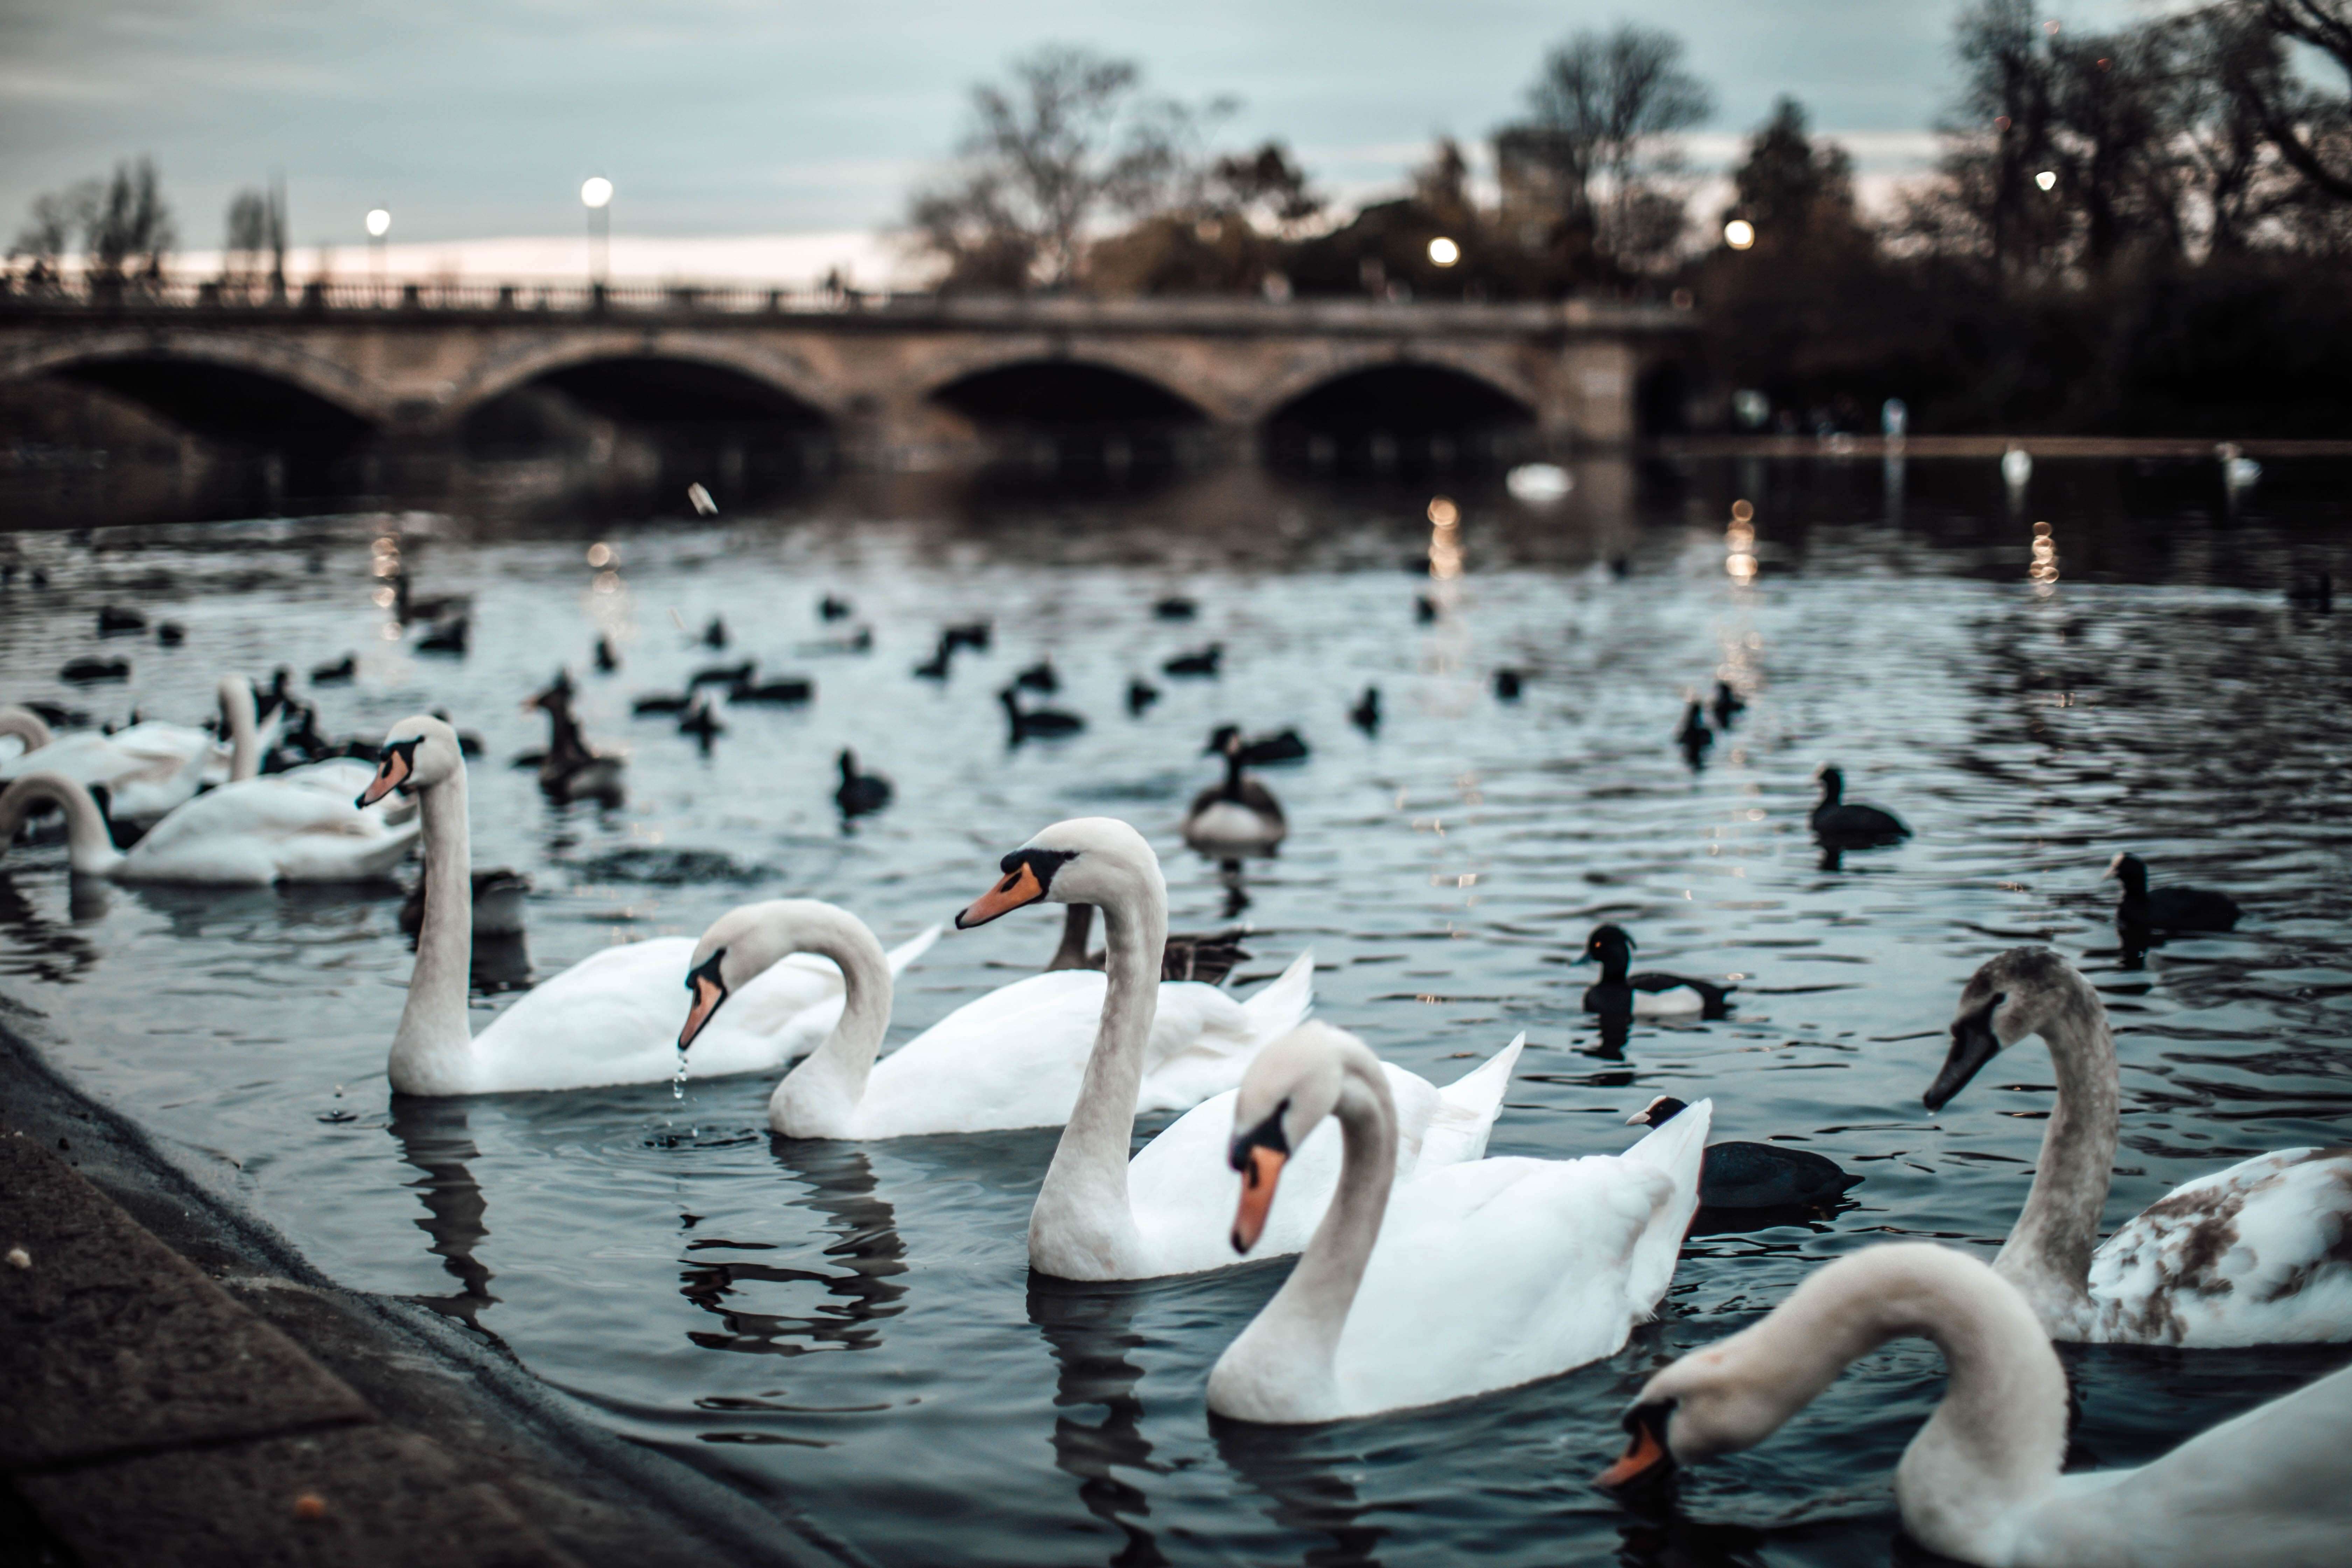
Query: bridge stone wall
x=874, y=373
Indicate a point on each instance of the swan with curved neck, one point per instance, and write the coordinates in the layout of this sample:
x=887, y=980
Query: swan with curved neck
x=148, y=769
x=250, y=832
x=1981, y=1481
x=1102, y=1215
x=1020, y=1055
x=607, y=1020
x=2246, y=1255
x=1481, y=1275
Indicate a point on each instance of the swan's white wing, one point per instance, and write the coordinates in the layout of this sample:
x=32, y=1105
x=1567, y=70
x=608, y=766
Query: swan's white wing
x=1010, y=1059
x=2264, y=1490
x=344, y=778
x=1498, y=1272
x=1182, y=1190
x=2253, y=1255
x=145, y=778
x=613, y=1017
x=1202, y=1040
x=262, y=831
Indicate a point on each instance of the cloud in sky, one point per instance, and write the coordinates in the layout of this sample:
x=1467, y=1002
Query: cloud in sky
x=473, y=118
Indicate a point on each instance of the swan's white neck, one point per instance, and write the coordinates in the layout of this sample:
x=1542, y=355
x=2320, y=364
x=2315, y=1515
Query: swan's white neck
x=245, y=739
x=819, y=1098
x=26, y=726
x=2048, y=1254
x=89, y=848
x=433, y=1051
x=1081, y=1227
x=1287, y=1357
x=1994, y=1445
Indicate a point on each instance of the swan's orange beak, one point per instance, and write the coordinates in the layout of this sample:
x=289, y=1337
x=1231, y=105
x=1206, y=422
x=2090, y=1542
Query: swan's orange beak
x=1260, y=1171
x=1646, y=1455
x=1021, y=888
x=391, y=772
x=708, y=992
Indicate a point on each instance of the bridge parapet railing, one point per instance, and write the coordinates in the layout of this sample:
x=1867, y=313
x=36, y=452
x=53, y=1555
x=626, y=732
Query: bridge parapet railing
x=23, y=292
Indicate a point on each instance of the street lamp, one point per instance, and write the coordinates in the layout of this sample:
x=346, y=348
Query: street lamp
x=379, y=223
x=1444, y=252
x=2047, y=179
x=1739, y=234
x=597, y=195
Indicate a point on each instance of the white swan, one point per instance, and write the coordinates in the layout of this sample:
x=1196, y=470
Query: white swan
x=250, y=832
x=249, y=739
x=147, y=769
x=1014, y=1058
x=2248, y=1256
x=1479, y=1276
x=2271, y=1488
x=1101, y=1216
x=607, y=1019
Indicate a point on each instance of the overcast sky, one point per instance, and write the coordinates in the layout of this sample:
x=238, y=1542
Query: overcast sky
x=476, y=117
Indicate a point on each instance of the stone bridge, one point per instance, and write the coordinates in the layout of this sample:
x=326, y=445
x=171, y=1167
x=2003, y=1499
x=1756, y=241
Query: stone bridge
x=891, y=383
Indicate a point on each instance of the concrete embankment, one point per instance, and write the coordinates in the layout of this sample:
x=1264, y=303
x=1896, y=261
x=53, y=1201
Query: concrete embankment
x=177, y=1387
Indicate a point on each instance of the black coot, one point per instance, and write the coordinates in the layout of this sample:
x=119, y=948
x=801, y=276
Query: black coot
x=2168, y=909
x=1848, y=824
x=1756, y=1175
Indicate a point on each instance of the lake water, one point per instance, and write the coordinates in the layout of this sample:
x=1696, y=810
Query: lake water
x=850, y=1332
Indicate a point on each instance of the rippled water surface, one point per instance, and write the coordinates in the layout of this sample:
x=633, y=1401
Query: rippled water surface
x=851, y=1332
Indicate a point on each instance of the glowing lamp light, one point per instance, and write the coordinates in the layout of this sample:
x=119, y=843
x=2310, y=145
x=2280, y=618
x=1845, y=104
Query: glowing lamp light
x=1444, y=252
x=379, y=223
x=596, y=191
x=1739, y=234
x=2047, y=179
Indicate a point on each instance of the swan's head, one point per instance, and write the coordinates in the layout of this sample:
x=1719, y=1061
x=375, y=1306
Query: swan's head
x=2022, y=992
x=1609, y=945
x=743, y=944
x=417, y=753
x=1292, y=1085
x=1095, y=860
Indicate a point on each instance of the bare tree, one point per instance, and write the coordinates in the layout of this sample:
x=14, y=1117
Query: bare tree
x=256, y=237
x=57, y=218
x=1598, y=134
x=1069, y=139
x=127, y=231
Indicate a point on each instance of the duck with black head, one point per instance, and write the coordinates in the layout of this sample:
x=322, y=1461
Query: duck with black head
x=1841, y=824
x=1740, y=1176
x=1651, y=995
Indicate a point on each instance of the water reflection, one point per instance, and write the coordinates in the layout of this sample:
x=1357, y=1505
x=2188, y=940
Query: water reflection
x=855, y=1299
x=1090, y=1330
x=434, y=1138
x=40, y=947
x=1298, y=1473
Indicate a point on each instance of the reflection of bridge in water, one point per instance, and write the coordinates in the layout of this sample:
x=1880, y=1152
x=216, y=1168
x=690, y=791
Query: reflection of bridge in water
x=491, y=370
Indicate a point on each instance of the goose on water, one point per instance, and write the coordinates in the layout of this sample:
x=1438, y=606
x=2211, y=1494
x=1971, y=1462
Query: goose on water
x=1207, y=957
x=2252, y=1254
x=91, y=670
x=1239, y=816
x=571, y=769
x=2168, y=909
x=340, y=673
x=1755, y=1175
x=1202, y=661
x=974, y=635
x=1481, y=1274
x=1648, y=994
x=499, y=897
x=610, y=1018
x=1103, y=1214
x=112, y=619
x=1850, y=825
x=1984, y=1480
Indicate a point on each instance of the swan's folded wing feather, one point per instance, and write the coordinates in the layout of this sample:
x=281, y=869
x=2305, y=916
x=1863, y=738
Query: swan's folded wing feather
x=1202, y=1040
x=1463, y=1115
x=2264, y=1490
x=2254, y=1253
x=613, y=1017
x=1498, y=1272
x=1010, y=1058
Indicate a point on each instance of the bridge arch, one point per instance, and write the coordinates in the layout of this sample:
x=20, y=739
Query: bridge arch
x=245, y=389
x=1064, y=392
x=1388, y=409
x=716, y=374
